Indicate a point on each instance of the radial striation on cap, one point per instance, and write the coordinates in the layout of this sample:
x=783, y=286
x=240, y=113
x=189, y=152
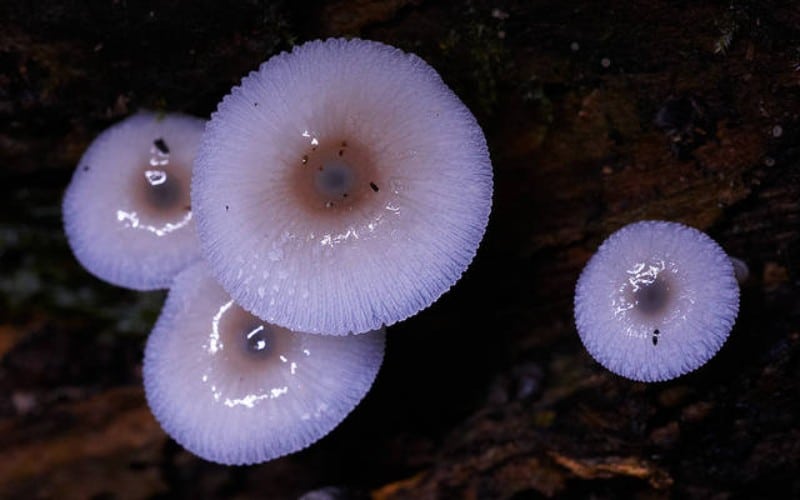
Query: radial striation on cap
x=127, y=211
x=657, y=300
x=341, y=187
x=236, y=390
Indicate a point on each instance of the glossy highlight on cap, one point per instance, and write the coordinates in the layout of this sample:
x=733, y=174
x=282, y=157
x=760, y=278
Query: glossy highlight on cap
x=127, y=211
x=341, y=187
x=237, y=390
x=657, y=300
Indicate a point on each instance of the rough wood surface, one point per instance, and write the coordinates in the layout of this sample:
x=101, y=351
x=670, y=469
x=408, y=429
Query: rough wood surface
x=597, y=114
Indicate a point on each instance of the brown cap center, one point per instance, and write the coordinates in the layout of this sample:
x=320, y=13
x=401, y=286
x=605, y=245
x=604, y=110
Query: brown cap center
x=334, y=176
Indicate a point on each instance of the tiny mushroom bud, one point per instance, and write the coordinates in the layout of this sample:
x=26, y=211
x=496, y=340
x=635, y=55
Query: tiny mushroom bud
x=237, y=390
x=127, y=212
x=341, y=187
x=657, y=300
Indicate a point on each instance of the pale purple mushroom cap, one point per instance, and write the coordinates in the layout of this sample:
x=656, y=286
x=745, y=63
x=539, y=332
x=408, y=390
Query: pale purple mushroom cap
x=236, y=390
x=127, y=211
x=657, y=300
x=341, y=187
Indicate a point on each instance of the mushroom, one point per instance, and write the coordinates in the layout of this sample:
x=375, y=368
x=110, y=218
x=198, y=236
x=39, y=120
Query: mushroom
x=657, y=300
x=341, y=187
x=127, y=213
x=237, y=390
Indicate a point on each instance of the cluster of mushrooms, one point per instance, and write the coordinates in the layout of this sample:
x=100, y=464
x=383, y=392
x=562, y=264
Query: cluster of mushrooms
x=325, y=199
x=329, y=197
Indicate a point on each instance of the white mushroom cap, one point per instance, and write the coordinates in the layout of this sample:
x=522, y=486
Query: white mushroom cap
x=657, y=300
x=236, y=390
x=341, y=187
x=127, y=210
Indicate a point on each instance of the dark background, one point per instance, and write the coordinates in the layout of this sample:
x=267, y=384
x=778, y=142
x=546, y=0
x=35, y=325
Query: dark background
x=597, y=114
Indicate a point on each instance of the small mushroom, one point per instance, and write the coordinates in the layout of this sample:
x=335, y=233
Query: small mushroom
x=127, y=211
x=657, y=300
x=353, y=196
x=237, y=390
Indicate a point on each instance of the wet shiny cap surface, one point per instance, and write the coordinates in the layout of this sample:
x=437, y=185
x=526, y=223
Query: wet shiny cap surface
x=341, y=187
x=127, y=211
x=657, y=300
x=236, y=390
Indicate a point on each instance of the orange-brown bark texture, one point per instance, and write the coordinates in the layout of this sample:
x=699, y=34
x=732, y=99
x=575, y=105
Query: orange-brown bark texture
x=597, y=114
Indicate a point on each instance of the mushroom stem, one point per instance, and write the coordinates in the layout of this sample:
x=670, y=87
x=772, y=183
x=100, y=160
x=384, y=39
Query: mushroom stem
x=740, y=269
